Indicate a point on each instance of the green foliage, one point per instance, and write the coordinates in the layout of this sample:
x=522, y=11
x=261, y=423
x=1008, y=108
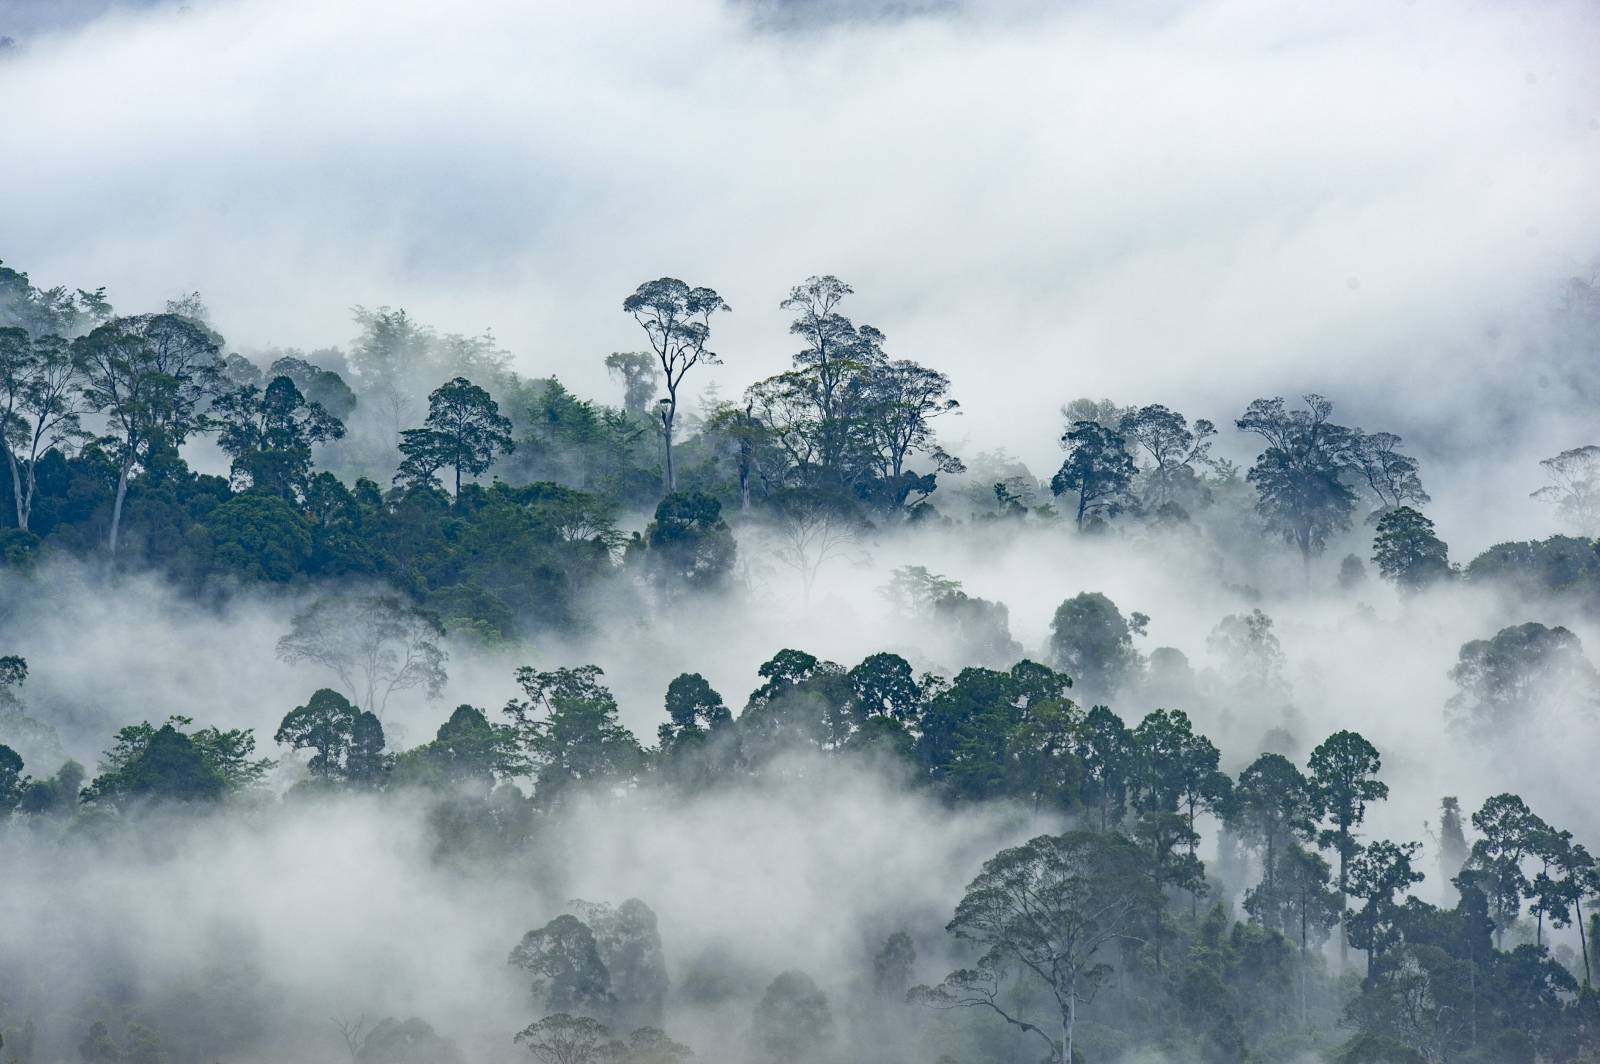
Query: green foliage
x=1407, y=552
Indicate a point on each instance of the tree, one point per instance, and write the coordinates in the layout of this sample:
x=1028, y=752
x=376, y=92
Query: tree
x=412, y=1041
x=1502, y=681
x=1110, y=762
x=1177, y=773
x=905, y=398
x=1309, y=903
x=167, y=763
x=563, y=959
x=1048, y=909
x=1272, y=807
x=148, y=374
x=463, y=432
x=565, y=1039
x=1298, y=478
x=792, y=1021
x=884, y=684
x=1579, y=879
x=1377, y=875
x=348, y=742
x=1173, y=447
x=1407, y=552
x=324, y=724
x=677, y=321
x=1391, y=476
x=638, y=373
x=1098, y=467
x=568, y=726
x=689, y=545
x=1510, y=830
x=1344, y=778
x=1092, y=642
x=808, y=528
x=12, y=781
x=1574, y=488
x=40, y=408
x=280, y=421
x=892, y=967
x=375, y=644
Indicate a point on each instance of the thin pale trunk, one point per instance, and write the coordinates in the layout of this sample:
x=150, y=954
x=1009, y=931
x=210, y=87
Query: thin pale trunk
x=116, y=508
x=1072, y=1021
x=16, y=489
x=1583, y=939
x=667, y=417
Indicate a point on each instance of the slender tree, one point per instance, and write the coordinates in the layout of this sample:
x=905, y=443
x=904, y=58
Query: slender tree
x=40, y=407
x=1344, y=778
x=677, y=321
x=148, y=374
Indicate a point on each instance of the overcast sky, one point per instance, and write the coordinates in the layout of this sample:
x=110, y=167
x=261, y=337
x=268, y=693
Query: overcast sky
x=1184, y=203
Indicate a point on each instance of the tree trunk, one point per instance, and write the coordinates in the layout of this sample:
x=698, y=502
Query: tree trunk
x=16, y=489
x=1583, y=939
x=1072, y=1021
x=669, y=414
x=116, y=508
x=1344, y=941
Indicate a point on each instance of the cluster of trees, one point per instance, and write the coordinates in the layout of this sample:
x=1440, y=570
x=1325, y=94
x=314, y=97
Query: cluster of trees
x=1112, y=934
x=374, y=463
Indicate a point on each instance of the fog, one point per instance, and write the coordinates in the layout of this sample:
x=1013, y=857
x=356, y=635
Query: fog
x=1195, y=200
x=1189, y=204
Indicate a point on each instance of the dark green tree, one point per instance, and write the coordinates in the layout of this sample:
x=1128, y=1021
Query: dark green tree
x=1378, y=875
x=1272, y=807
x=1098, y=467
x=1344, y=778
x=1509, y=830
x=463, y=432
x=689, y=546
x=1407, y=552
x=1299, y=477
x=567, y=725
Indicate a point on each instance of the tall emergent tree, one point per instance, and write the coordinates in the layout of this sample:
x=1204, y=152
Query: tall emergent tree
x=39, y=407
x=375, y=644
x=1298, y=478
x=1344, y=778
x=464, y=431
x=1574, y=487
x=1272, y=807
x=1098, y=467
x=1389, y=475
x=1173, y=447
x=148, y=374
x=677, y=321
x=1048, y=909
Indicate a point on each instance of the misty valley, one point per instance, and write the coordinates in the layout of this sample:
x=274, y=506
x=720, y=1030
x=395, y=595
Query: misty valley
x=933, y=841
x=799, y=532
